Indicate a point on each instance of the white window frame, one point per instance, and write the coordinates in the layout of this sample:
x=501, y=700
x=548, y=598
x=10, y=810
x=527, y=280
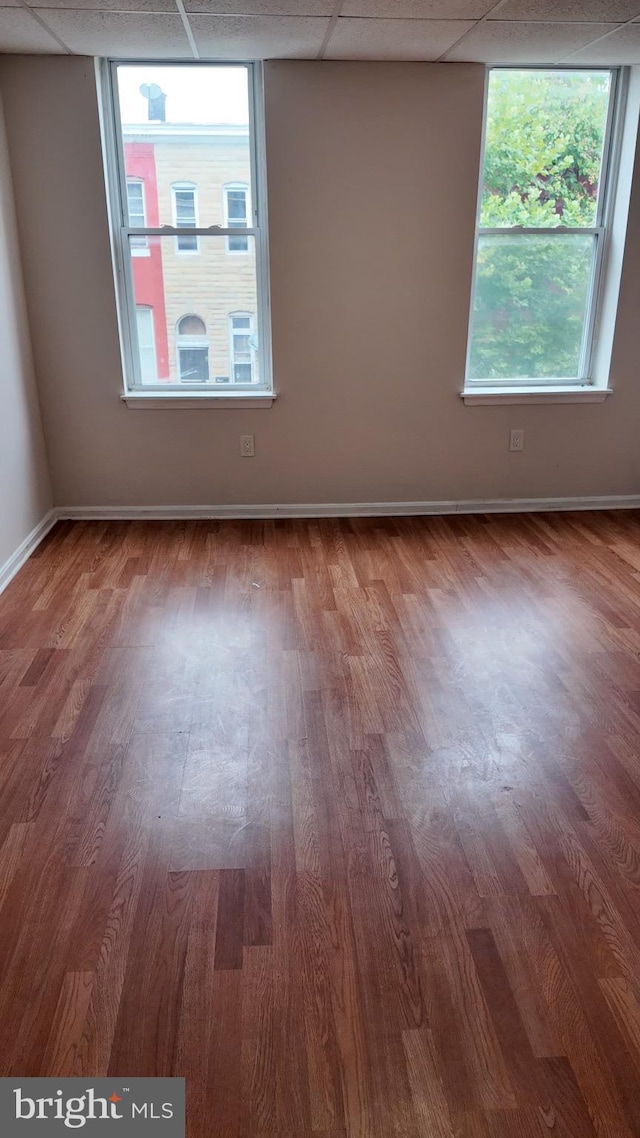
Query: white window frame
x=142, y=249
x=134, y=393
x=252, y=351
x=187, y=343
x=226, y=190
x=185, y=187
x=584, y=382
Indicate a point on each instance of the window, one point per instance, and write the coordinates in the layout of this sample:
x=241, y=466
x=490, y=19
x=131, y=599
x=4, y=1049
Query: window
x=146, y=344
x=243, y=347
x=542, y=227
x=137, y=219
x=185, y=216
x=198, y=155
x=236, y=216
x=193, y=350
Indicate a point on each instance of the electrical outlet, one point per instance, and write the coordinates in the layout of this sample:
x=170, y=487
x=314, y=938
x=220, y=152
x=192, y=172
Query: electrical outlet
x=247, y=446
x=516, y=440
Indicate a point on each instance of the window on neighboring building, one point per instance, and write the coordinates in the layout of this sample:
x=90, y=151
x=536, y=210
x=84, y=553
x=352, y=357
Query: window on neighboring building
x=137, y=216
x=542, y=226
x=185, y=216
x=242, y=346
x=236, y=216
x=193, y=350
x=146, y=344
x=200, y=154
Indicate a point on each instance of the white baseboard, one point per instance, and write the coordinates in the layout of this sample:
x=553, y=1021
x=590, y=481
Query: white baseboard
x=31, y=542
x=347, y=509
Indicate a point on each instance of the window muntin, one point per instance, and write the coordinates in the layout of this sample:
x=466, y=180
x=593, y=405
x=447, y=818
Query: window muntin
x=541, y=231
x=185, y=216
x=243, y=347
x=218, y=127
x=236, y=213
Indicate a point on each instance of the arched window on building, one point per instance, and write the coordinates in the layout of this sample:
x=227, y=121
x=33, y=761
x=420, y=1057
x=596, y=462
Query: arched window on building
x=193, y=349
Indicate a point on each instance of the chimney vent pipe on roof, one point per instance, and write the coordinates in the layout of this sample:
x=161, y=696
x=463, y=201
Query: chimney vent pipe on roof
x=156, y=100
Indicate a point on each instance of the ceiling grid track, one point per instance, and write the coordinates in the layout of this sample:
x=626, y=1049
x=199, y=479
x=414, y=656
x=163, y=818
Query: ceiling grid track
x=333, y=21
x=45, y=27
x=482, y=20
x=188, y=30
x=599, y=39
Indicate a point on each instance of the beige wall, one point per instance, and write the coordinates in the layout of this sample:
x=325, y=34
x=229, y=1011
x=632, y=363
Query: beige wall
x=372, y=188
x=25, y=493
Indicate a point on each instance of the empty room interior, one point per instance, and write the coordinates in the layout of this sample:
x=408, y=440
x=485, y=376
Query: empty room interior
x=320, y=568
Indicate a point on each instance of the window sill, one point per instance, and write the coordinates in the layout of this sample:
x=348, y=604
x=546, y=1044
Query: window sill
x=496, y=395
x=176, y=401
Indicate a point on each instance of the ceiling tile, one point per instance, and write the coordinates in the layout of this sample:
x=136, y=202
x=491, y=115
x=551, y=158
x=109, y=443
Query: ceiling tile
x=261, y=7
x=259, y=37
x=418, y=9
x=497, y=41
x=21, y=33
x=622, y=47
x=583, y=11
x=393, y=39
x=125, y=34
x=108, y=5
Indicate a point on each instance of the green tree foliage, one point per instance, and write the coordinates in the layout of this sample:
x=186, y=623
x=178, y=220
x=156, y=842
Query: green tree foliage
x=543, y=153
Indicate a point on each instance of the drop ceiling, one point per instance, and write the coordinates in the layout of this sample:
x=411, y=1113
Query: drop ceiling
x=511, y=31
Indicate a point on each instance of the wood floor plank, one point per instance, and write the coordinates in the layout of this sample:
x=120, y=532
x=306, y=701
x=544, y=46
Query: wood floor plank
x=60, y=1057
x=230, y=920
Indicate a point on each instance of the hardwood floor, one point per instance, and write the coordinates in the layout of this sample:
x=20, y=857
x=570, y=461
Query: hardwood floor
x=338, y=819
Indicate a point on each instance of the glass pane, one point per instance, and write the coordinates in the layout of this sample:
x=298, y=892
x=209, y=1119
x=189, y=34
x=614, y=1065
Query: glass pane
x=237, y=244
x=192, y=303
x=194, y=365
x=185, y=209
x=543, y=147
x=184, y=124
x=135, y=204
x=192, y=326
x=187, y=244
x=135, y=201
x=530, y=305
x=237, y=203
